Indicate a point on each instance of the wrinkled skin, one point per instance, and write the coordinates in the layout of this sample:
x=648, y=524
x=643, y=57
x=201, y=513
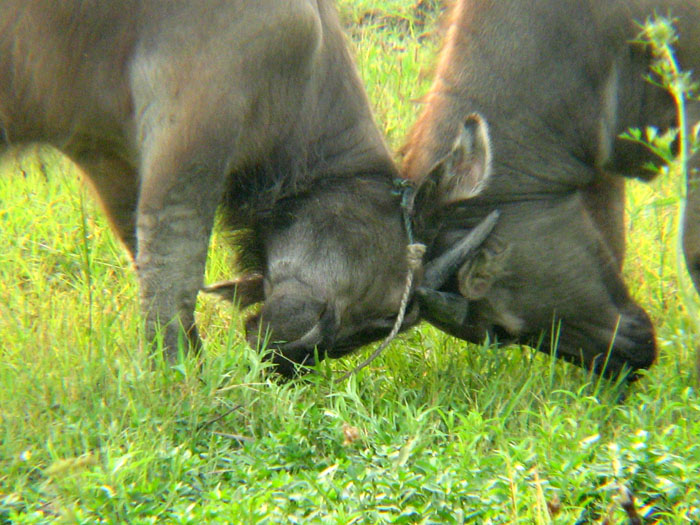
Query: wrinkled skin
x=295, y=279
x=557, y=81
x=329, y=285
x=174, y=109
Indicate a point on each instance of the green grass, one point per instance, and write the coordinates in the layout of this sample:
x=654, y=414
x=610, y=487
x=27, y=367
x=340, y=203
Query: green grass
x=434, y=431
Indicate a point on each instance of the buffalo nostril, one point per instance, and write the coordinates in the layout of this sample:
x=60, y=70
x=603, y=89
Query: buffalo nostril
x=290, y=360
x=294, y=327
x=291, y=317
x=291, y=368
x=635, y=342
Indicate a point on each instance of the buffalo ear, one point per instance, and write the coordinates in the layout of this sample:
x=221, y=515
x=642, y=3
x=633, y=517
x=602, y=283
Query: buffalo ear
x=476, y=277
x=464, y=172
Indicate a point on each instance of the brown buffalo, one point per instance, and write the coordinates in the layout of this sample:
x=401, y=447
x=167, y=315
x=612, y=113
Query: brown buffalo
x=558, y=81
x=175, y=109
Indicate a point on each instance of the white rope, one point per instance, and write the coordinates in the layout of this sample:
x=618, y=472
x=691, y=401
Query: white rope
x=414, y=257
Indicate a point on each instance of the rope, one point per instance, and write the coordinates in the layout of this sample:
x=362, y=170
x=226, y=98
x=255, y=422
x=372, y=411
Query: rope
x=414, y=257
x=405, y=188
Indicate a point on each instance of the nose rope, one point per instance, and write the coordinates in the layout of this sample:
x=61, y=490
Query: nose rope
x=414, y=259
x=406, y=189
x=414, y=256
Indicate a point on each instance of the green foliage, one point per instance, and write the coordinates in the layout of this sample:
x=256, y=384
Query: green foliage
x=435, y=431
x=659, y=36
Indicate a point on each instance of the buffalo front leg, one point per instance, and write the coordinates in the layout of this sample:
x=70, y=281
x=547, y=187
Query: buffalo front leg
x=174, y=224
x=116, y=184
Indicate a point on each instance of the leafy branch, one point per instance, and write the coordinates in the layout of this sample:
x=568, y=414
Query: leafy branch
x=659, y=35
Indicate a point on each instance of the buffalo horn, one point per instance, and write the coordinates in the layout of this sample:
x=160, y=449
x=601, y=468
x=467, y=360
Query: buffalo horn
x=443, y=308
x=246, y=290
x=309, y=340
x=439, y=270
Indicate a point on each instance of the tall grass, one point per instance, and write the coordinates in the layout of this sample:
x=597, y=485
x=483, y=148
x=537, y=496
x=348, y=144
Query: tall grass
x=435, y=431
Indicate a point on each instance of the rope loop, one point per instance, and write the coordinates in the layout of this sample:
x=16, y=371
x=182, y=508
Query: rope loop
x=406, y=190
x=414, y=258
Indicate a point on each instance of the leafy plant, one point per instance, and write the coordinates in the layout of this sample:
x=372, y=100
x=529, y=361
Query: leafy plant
x=660, y=36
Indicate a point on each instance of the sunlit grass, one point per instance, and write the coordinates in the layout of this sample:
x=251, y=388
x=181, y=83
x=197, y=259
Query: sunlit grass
x=435, y=431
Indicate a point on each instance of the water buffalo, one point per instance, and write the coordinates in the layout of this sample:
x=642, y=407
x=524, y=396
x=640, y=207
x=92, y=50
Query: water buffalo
x=558, y=81
x=175, y=109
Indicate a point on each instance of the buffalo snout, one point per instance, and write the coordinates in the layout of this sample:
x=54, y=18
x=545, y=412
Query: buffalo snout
x=621, y=348
x=633, y=346
x=294, y=327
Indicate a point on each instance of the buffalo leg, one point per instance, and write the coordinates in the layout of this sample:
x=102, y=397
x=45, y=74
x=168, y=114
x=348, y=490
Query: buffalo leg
x=174, y=223
x=117, y=186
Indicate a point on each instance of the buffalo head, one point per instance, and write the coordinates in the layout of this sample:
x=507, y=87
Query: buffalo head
x=548, y=276
x=558, y=81
x=334, y=260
